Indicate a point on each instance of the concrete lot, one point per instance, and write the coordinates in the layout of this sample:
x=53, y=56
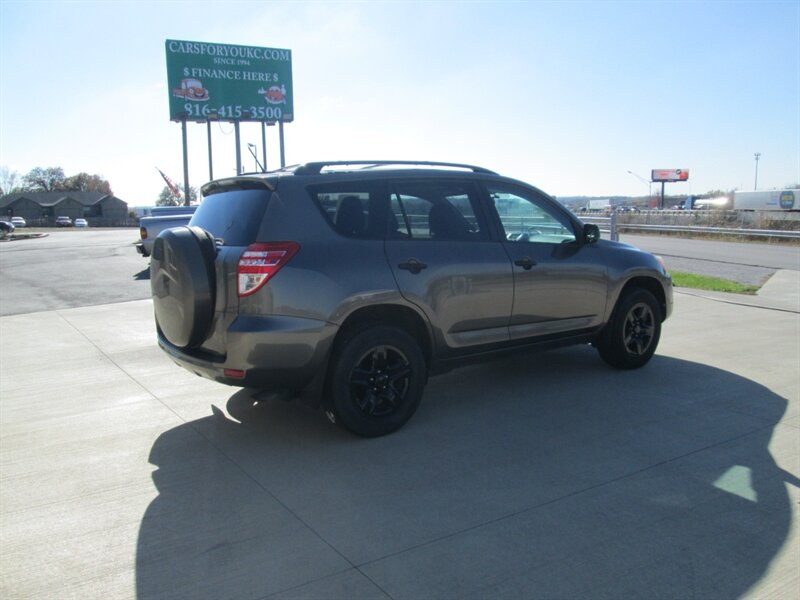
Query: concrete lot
x=539, y=476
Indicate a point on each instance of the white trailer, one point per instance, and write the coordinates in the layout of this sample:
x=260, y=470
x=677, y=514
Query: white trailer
x=767, y=200
x=604, y=204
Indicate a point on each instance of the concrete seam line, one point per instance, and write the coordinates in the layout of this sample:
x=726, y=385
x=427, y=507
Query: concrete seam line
x=721, y=301
x=209, y=441
x=116, y=364
x=722, y=262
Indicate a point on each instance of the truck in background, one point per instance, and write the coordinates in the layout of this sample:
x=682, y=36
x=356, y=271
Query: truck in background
x=163, y=218
x=767, y=200
x=597, y=204
x=715, y=203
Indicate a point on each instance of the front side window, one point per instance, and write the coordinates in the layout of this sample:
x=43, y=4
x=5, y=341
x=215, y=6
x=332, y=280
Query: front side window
x=527, y=217
x=436, y=210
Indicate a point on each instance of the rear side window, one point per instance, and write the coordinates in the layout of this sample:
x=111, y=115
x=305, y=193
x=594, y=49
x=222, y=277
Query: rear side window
x=356, y=210
x=233, y=216
x=436, y=210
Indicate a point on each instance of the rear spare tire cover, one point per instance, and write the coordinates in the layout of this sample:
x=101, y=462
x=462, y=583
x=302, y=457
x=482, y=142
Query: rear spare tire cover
x=183, y=284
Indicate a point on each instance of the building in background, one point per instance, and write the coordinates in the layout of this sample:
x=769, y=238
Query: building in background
x=42, y=208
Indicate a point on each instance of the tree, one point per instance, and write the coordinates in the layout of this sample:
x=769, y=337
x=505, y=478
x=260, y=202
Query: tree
x=83, y=182
x=166, y=197
x=9, y=181
x=38, y=179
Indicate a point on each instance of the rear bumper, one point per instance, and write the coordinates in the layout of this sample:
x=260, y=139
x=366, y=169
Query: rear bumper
x=271, y=353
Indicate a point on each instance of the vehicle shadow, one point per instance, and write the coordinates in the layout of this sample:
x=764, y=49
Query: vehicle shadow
x=541, y=476
x=143, y=274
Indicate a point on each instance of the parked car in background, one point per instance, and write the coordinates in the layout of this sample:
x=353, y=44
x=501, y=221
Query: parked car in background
x=6, y=229
x=350, y=283
x=81, y=223
x=63, y=222
x=18, y=222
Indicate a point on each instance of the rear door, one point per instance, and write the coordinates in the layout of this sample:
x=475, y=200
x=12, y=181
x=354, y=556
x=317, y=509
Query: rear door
x=561, y=284
x=445, y=262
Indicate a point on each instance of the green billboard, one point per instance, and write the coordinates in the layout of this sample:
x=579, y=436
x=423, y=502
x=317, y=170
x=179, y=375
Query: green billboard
x=228, y=83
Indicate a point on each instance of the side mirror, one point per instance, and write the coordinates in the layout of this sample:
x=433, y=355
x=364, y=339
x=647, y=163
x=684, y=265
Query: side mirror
x=591, y=233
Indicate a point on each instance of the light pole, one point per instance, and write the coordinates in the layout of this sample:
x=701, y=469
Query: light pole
x=757, y=155
x=252, y=149
x=643, y=180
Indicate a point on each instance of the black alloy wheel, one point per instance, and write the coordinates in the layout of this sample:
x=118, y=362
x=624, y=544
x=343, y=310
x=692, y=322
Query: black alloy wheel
x=639, y=329
x=376, y=380
x=380, y=381
x=630, y=338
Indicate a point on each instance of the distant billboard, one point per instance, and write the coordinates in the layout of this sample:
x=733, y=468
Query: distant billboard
x=228, y=83
x=669, y=175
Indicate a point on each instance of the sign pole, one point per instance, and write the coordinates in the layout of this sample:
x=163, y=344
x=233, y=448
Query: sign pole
x=185, y=162
x=210, y=162
x=661, y=205
x=238, y=148
x=283, y=154
x=264, y=145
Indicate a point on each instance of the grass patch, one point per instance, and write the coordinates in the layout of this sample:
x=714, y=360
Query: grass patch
x=712, y=284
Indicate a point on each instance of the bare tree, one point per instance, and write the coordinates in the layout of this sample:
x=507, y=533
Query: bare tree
x=9, y=181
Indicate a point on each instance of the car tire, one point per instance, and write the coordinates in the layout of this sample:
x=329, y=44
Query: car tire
x=630, y=339
x=183, y=285
x=376, y=381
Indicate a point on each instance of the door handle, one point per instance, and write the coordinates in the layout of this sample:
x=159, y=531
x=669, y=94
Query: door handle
x=412, y=265
x=526, y=262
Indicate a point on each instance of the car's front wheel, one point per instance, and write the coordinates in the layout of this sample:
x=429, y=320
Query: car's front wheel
x=377, y=379
x=630, y=338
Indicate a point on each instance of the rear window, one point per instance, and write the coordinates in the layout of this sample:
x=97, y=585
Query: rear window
x=234, y=216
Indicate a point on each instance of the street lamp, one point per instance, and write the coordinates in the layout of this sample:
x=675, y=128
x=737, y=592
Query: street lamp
x=252, y=149
x=643, y=180
x=757, y=155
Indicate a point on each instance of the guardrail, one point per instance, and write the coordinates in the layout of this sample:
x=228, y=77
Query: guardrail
x=768, y=233
x=607, y=225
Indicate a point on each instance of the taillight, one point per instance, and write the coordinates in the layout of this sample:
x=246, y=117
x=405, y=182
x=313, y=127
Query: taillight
x=260, y=263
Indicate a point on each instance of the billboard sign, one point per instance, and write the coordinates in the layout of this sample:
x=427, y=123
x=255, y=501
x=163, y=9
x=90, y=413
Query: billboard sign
x=669, y=175
x=228, y=83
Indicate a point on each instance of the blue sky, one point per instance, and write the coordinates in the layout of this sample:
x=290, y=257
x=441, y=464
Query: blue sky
x=569, y=96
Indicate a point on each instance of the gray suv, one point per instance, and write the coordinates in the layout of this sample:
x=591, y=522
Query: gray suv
x=349, y=284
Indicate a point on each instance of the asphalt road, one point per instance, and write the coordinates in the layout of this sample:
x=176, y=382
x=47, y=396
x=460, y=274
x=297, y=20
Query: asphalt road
x=89, y=267
x=745, y=262
x=68, y=269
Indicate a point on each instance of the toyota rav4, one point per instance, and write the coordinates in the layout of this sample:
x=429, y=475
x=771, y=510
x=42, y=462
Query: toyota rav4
x=350, y=283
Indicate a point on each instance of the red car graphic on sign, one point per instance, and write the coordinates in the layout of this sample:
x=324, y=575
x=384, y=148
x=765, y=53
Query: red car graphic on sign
x=191, y=89
x=274, y=95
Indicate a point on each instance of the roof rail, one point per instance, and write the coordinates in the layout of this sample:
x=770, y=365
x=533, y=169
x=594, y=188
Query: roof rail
x=315, y=168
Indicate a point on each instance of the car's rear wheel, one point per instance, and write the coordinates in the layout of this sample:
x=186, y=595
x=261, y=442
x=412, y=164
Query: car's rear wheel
x=183, y=283
x=376, y=382
x=630, y=339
